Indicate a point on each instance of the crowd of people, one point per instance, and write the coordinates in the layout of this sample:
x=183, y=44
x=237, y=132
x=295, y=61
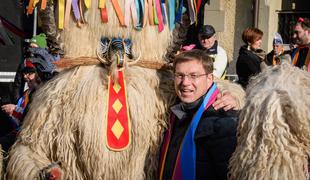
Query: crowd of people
x=201, y=137
x=36, y=68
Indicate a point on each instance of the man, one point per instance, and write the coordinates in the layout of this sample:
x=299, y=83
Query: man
x=209, y=43
x=301, y=54
x=35, y=72
x=200, y=139
x=273, y=58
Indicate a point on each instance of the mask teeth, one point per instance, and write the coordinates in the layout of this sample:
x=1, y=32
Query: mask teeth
x=128, y=48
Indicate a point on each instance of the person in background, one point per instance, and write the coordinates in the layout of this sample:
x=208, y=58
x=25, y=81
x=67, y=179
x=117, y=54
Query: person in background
x=37, y=47
x=301, y=55
x=273, y=57
x=35, y=72
x=250, y=55
x=199, y=140
x=209, y=44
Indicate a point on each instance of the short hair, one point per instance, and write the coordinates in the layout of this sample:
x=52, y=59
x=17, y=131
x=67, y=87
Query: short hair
x=195, y=54
x=303, y=22
x=251, y=35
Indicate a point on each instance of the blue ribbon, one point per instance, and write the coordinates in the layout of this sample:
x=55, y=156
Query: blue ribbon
x=178, y=17
x=163, y=11
x=140, y=13
x=171, y=14
x=188, y=150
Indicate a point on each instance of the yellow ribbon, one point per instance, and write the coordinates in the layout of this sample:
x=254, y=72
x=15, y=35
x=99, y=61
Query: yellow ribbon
x=101, y=4
x=87, y=3
x=61, y=13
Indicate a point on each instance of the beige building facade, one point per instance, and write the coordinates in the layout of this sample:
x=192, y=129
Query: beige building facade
x=231, y=17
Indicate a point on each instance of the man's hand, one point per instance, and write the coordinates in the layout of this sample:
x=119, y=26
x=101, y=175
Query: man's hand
x=226, y=101
x=8, y=108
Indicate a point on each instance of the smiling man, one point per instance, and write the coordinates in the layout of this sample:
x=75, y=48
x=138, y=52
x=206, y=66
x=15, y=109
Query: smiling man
x=301, y=54
x=200, y=139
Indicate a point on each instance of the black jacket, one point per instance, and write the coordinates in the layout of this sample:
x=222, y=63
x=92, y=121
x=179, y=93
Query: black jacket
x=248, y=64
x=215, y=139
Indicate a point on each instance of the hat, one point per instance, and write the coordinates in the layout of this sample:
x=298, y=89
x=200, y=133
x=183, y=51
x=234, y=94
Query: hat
x=39, y=40
x=28, y=66
x=277, y=39
x=206, y=31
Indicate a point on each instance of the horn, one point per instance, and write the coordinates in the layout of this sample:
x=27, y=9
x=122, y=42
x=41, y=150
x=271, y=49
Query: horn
x=128, y=51
x=135, y=61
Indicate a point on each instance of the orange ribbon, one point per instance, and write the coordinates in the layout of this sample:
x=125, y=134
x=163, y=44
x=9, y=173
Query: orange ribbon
x=119, y=12
x=43, y=4
x=30, y=7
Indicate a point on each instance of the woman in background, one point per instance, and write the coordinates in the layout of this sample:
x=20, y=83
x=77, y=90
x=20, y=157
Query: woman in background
x=250, y=55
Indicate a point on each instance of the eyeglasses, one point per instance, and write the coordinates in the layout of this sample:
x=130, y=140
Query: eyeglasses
x=191, y=77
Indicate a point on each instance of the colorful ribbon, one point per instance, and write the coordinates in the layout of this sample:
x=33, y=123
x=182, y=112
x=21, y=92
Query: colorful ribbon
x=61, y=13
x=133, y=13
x=30, y=7
x=151, y=12
x=145, y=13
x=178, y=17
x=75, y=9
x=185, y=166
x=87, y=3
x=164, y=11
x=171, y=7
x=104, y=15
x=159, y=15
x=103, y=11
x=43, y=4
x=119, y=12
x=67, y=12
x=140, y=12
x=192, y=11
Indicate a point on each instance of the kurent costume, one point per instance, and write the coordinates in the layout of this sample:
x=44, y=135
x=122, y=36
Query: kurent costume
x=199, y=140
x=104, y=115
x=273, y=131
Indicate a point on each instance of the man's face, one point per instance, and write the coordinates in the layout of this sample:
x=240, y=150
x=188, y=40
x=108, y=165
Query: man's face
x=301, y=36
x=207, y=43
x=191, y=81
x=31, y=79
x=277, y=48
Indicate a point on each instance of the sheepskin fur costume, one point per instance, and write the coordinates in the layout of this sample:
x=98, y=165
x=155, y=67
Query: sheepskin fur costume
x=66, y=122
x=274, y=127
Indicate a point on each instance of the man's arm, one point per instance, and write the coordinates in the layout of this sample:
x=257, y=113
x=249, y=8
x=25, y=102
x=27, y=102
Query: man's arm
x=231, y=96
x=226, y=101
